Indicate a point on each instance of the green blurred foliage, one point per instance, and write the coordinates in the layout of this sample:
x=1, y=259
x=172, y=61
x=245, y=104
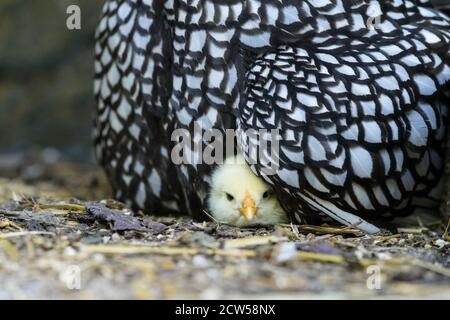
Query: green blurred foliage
x=46, y=74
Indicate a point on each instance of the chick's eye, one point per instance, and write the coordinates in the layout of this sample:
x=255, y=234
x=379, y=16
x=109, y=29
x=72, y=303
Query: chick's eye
x=229, y=197
x=266, y=194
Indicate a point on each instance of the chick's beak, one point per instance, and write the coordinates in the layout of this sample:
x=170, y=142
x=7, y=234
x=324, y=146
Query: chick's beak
x=248, y=209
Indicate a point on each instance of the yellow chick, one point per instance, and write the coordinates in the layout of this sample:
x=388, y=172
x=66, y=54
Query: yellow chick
x=239, y=197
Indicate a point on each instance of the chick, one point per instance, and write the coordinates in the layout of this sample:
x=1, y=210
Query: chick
x=239, y=197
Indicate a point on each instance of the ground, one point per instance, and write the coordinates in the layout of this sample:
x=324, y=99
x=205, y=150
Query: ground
x=60, y=237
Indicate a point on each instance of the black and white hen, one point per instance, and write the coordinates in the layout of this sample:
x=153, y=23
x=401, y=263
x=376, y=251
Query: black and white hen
x=356, y=89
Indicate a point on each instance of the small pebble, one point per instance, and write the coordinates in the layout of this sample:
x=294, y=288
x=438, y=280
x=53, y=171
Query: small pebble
x=70, y=252
x=286, y=251
x=115, y=237
x=440, y=243
x=200, y=261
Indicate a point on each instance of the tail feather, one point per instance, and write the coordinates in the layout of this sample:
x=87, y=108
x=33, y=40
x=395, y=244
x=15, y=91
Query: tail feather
x=339, y=215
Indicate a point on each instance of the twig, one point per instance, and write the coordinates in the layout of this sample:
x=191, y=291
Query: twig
x=251, y=241
x=392, y=261
x=211, y=217
x=61, y=206
x=412, y=230
x=445, y=236
x=407, y=260
x=325, y=230
x=321, y=257
x=295, y=230
x=174, y=251
x=9, y=249
x=170, y=251
x=10, y=235
x=12, y=213
x=387, y=238
x=432, y=267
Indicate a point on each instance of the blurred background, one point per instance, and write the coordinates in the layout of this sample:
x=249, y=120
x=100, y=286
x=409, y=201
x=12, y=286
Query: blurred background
x=46, y=72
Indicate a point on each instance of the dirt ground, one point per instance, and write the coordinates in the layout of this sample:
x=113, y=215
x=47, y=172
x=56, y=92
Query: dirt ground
x=60, y=237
